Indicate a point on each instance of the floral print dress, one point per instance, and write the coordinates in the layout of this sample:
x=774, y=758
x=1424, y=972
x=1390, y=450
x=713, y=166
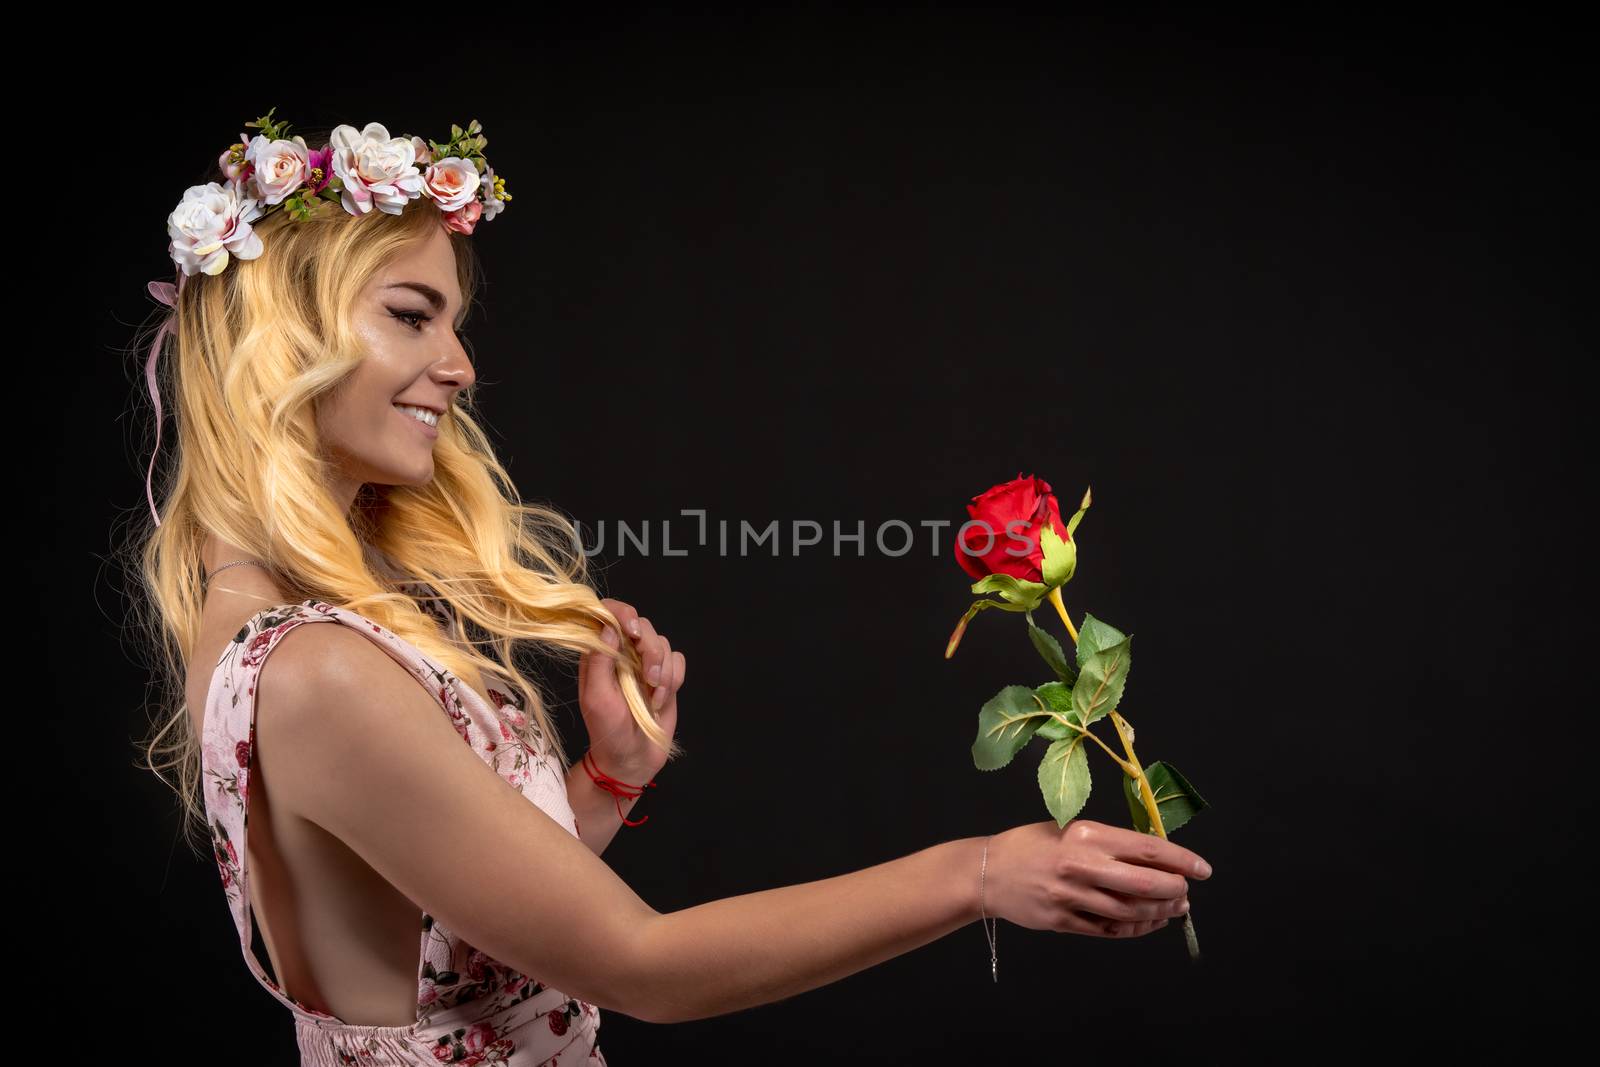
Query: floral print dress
x=471, y=1008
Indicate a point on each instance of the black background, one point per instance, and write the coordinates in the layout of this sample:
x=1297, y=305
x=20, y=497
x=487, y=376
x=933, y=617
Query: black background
x=1298, y=300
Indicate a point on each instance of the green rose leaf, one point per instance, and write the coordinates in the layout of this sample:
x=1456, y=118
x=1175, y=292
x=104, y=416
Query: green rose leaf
x=1077, y=516
x=1050, y=649
x=1060, y=557
x=1100, y=682
x=1005, y=724
x=1057, y=697
x=1017, y=591
x=1094, y=636
x=1051, y=730
x=1176, y=799
x=1064, y=779
x=961, y=627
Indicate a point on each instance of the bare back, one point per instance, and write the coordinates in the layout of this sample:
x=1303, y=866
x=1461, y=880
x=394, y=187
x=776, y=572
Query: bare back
x=339, y=937
x=414, y=767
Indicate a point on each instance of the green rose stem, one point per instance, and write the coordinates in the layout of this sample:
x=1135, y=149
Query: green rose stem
x=1130, y=766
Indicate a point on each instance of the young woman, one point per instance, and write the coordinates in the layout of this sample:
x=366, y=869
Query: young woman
x=422, y=861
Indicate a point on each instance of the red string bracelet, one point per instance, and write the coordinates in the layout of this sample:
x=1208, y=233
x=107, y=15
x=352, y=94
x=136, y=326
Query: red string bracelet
x=615, y=788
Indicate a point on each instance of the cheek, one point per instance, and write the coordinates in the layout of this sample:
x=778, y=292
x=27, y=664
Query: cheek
x=356, y=413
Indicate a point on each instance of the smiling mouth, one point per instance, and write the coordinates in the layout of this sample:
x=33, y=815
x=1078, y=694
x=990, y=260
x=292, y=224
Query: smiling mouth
x=413, y=411
x=427, y=430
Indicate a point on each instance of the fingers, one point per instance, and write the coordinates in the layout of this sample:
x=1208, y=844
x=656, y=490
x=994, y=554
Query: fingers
x=664, y=669
x=653, y=648
x=660, y=675
x=627, y=616
x=1124, y=909
x=1149, y=850
x=1136, y=883
x=653, y=651
x=643, y=635
x=1098, y=926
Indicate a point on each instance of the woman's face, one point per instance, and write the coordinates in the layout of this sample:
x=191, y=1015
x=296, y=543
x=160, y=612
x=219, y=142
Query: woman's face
x=406, y=317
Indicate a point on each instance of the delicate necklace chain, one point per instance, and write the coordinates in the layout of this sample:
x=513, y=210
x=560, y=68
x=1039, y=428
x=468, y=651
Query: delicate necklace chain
x=235, y=563
x=982, y=873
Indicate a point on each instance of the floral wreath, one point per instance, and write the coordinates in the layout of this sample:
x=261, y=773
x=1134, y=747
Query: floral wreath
x=357, y=169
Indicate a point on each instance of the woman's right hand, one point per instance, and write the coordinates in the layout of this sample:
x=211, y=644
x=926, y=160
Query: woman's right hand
x=1087, y=878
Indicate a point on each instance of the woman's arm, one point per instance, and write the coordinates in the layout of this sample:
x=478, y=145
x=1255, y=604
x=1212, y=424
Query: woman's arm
x=763, y=947
x=347, y=740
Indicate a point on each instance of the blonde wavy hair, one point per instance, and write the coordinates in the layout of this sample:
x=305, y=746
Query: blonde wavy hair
x=252, y=350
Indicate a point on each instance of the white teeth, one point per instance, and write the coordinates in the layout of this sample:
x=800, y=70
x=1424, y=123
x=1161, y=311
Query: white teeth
x=420, y=414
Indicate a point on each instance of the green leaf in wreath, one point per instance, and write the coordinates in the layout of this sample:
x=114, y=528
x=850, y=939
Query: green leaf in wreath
x=1176, y=799
x=1064, y=779
x=1017, y=591
x=1060, y=557
x=1005, y=724
x=1094, y=636
x=1050, y=649
x=1100, y=682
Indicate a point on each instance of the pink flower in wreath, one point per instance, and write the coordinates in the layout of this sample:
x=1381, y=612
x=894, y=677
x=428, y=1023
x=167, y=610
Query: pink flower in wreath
x=376, y=170
x=464, y=220
x=452, y=181
x=280, y=166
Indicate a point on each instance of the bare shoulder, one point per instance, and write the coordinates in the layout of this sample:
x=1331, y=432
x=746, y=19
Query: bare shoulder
x=364, y=751
x=332, y=708
x=317, y=667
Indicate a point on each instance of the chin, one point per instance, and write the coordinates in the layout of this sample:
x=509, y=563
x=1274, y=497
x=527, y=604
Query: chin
x=412, y=477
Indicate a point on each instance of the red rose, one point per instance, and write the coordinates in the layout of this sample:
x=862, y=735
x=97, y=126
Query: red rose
x=1002, y=536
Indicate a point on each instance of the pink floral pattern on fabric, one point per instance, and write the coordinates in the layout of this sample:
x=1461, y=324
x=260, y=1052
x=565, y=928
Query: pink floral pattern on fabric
x=471, y=1008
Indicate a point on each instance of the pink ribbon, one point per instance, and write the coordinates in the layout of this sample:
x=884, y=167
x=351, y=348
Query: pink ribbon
x=166, y=293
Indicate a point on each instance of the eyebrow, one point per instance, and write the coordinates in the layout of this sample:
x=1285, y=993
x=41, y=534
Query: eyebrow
x=434, y=296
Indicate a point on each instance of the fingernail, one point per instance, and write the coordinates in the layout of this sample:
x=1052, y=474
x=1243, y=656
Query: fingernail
x=658, y=698
x=633, y=627
x=1203, y=869
x=654, y=674
x=609, y=636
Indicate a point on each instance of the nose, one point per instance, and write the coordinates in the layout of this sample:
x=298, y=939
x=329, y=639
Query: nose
x=454, y=368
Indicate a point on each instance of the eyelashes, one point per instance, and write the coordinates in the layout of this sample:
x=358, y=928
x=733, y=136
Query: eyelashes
x=403, y=316
x=422, y=316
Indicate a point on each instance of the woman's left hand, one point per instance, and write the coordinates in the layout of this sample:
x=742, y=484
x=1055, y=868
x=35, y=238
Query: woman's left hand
x=619, y=747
